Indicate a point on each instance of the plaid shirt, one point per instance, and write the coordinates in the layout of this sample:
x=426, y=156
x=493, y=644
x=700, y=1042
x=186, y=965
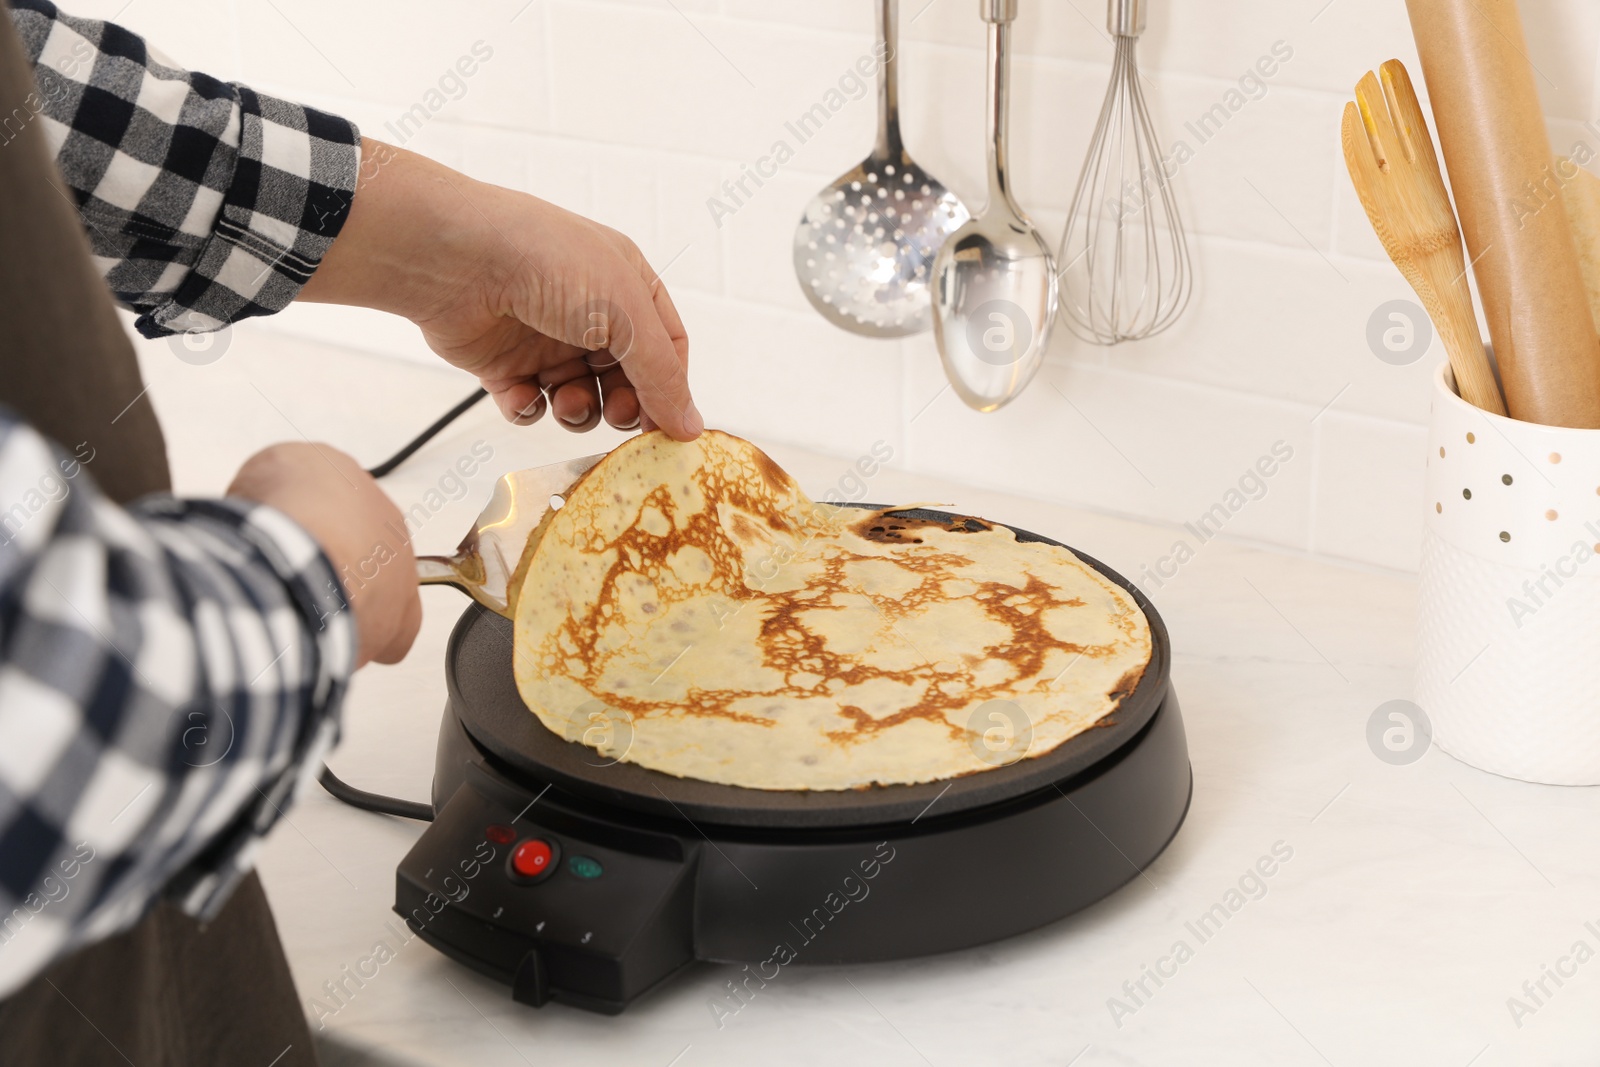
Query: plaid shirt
x=205, y=202
x=170, y=673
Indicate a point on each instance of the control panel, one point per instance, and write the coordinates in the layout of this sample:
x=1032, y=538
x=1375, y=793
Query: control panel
x=557, y=903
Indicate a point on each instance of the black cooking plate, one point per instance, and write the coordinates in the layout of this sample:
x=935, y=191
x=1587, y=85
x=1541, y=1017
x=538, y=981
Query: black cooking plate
x=483, y=692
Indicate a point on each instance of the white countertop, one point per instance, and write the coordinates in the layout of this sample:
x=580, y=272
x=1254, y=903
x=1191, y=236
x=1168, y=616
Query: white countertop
x=1418, y=898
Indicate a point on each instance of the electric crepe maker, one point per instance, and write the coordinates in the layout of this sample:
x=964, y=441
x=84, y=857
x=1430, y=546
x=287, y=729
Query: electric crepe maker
x=571, y=877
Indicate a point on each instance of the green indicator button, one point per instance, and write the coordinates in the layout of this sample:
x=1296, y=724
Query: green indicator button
x=585, y=867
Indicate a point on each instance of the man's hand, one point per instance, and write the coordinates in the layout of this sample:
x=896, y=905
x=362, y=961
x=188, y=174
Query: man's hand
x=359, y=529
x=532, y=299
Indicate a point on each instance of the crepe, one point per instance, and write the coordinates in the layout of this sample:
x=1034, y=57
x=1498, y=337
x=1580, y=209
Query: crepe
x=690, y=610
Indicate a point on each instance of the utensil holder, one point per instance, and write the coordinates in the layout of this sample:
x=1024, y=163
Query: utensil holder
x=1508, y=655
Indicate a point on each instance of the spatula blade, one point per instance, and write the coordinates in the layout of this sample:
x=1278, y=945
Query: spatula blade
x=487, y=557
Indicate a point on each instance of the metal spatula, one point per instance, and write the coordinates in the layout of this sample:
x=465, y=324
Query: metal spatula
x=488, y=556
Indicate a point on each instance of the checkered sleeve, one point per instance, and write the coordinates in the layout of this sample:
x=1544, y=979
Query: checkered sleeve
x=205, y=202
x=170, y=675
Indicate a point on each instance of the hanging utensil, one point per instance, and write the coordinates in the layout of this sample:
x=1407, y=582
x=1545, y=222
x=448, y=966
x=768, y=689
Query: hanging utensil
x=1124, y=258
x=486, y=562
x=865, y=245
x=994, y=296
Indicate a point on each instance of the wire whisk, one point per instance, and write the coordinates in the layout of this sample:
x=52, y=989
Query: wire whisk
x=1125, y=269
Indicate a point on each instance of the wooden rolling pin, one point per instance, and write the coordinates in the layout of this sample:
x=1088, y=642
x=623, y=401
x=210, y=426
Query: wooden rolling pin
x=1492, y=134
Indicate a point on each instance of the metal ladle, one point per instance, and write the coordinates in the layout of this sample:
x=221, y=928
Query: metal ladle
x=865, y=245
x=995, y=288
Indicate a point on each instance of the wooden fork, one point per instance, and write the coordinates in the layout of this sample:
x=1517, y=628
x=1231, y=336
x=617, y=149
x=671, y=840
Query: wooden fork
x=1389, y=152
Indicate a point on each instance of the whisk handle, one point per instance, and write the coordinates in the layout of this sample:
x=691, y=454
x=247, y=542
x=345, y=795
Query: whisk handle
x=998, y=10
x=1125, y=18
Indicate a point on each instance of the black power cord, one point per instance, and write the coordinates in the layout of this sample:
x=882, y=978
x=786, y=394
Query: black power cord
x=360, y=798
x=340, y=789
x=427, y=435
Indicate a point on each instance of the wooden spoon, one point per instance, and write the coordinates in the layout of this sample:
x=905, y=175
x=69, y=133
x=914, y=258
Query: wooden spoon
x=1389, y=152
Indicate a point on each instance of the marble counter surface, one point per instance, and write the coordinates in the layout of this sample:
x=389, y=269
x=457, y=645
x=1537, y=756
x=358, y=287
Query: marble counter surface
x=1407, y=907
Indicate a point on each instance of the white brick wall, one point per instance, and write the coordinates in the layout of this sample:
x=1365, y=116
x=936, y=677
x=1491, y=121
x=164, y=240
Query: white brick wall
x=634, y=111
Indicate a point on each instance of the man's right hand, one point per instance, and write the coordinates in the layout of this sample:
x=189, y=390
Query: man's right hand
x=529, y=297
x=358, y=527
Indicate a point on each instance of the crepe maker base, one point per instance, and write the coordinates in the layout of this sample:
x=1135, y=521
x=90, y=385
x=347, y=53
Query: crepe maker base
x=590, y=883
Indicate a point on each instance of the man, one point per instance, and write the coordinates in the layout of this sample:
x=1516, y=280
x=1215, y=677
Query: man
x=130, y=637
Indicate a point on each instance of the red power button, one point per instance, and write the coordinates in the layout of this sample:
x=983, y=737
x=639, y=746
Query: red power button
x=532, y=858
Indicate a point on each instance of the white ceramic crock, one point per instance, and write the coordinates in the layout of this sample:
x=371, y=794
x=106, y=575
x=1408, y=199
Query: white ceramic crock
x=1508, y=657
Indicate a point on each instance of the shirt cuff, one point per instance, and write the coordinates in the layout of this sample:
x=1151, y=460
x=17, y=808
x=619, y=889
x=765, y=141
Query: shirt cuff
x=313, y=586
x=293, y=183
